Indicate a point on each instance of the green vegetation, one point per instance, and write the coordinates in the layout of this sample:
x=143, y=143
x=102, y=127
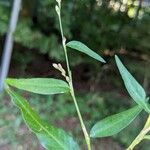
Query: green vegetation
x=115, y=35
x=109, y=28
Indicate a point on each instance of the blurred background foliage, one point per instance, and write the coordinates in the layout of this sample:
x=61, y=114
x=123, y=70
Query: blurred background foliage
x=108, y=27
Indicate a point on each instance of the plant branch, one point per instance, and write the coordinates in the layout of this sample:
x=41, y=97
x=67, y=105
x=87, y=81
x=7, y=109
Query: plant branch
x=141, y=135
x=86, y=135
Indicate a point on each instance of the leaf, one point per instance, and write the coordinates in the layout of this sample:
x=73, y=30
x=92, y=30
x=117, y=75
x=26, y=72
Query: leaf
x=147, y=137
x=84, y=49
x=40, y=85
x=133, y=87
x=50, y=137
x=115, y=123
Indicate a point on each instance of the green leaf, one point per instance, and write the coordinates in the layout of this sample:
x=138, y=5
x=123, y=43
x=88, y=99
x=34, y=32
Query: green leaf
x=133, y=87
x=40, y=85
x=147, y=137
x=115, y=123
x=50, y=137
x=84, y=49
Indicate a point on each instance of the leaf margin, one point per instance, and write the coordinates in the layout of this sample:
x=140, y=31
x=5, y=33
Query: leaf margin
x=81, y=47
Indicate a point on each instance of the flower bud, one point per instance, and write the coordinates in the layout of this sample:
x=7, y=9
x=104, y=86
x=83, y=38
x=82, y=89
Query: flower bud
x=59, y=3
x=57, y=9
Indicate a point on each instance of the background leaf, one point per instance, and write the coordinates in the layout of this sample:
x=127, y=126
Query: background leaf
x=84, y=49
x=50, y=137
x=40, y=85
x=115, y=123
x=133, y=87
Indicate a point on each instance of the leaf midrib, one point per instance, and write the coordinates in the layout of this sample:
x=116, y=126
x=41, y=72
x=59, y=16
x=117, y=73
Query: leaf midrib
x=45, y=85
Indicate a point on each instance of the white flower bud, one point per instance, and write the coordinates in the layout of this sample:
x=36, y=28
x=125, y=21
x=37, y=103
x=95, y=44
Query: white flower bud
x=59, y=3
x=64, y=41
x=55, y=66
x=67, y=79
x=57, y=9
x=60, y=66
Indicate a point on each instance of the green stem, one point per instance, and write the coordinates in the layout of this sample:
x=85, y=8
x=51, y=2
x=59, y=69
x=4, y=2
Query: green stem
x=141, y=135
x=63, y=43
x=86, y=135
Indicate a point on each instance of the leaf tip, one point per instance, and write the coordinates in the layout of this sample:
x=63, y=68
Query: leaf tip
x=118, y=62
x=116, y=57
x=103, y=61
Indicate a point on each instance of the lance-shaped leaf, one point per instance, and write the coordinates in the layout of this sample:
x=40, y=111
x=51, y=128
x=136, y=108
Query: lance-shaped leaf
x=84, y=49
x=133, y=87
x=40, y=85
x=50, y=137
x=115, y=123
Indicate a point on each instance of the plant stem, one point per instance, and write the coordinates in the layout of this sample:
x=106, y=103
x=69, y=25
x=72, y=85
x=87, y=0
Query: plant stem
x=63, y=43
x=87, y=138
x=86, y=135
x=141, y=135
